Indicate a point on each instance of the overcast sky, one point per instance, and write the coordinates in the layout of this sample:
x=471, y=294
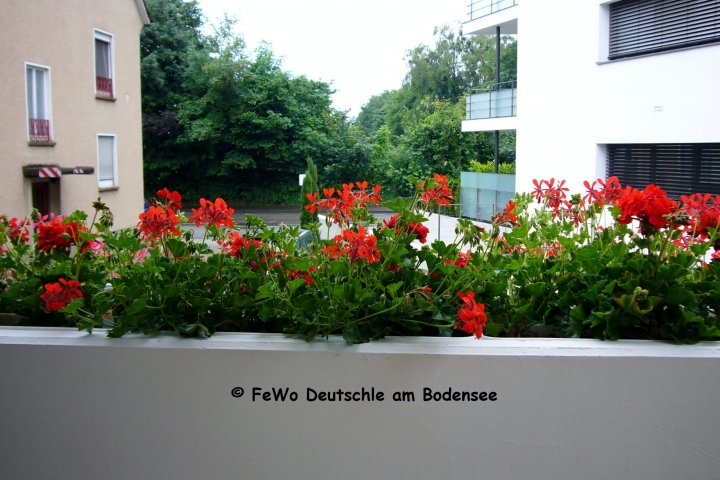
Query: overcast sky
x=357, y=45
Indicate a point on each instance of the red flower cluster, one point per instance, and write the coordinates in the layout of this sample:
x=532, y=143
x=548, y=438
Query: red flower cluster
x=415, y=228
x=295, y=274
x=58, y=295
x=339, y=208
x=460, y=262
x=649, y=206
x=507, y=215
x=18, y=232
x=170, y=199
x=608, y=192
x=358, y=245
x=548, y=250
x=238, y=243
x=158, y=221
x=210, y=213
x=437, y=191
x=703, y=210
x=471, y=316
x=57, y=235
x=553, y=195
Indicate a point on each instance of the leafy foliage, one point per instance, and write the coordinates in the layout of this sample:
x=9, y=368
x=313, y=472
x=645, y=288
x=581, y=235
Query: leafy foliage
x=489, y=167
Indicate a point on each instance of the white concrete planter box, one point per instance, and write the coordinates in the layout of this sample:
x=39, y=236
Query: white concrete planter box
x=78, y=406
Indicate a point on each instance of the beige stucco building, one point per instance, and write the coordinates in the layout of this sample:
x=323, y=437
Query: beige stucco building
x=69, y=100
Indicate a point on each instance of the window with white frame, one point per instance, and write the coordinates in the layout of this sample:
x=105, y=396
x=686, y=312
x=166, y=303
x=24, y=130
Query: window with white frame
x=103, y=65
x=37, y=85
x=107, y=161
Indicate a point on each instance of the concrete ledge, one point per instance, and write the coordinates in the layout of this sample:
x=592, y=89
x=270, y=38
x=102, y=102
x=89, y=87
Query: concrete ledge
x=85, y=406
x=490, y=124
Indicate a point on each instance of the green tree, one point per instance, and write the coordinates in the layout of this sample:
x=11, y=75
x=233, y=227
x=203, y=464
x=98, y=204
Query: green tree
x=246, y=126
x=165, y=47
x=372, y=114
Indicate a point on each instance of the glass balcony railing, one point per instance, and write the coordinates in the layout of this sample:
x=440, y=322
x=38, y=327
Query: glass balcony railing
x=496, y=100
x=481, y=8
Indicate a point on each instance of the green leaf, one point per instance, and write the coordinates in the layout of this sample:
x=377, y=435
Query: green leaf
x=86, y=236
x=536, y=289
x=177, y=247
x=73, y=306
x=351, y=334
x=577, y=319
x=491, y=329
x=295, y=284
x=496, y=289
x=393, y=287
x=265, y=291
x=628, y=303
x=299, y=264
x=338, y=267
x=678, y=296
x=137, y=306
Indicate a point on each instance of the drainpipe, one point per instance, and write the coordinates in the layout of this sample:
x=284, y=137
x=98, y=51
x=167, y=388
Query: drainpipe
x=497, y=87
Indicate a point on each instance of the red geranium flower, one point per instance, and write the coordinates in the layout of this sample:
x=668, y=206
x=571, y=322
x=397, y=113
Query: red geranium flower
x=608, y=193
x=649, y=206
x=358, y=245
x=507, y=215
x=414, y=228
x=170, y=199
x=58, y=295
x=703, y=210
x=340, y=208
x=18, y=232
x=57, y=235
x=211, y=213
x=238, y=243
x=157, y=222
x=471, y=316
x=295, y=274
x=552, y=195
x=437, y=191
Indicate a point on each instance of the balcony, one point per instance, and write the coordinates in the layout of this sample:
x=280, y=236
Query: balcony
x=497, y=100
x=484, y=16
x=482, y=8
x=491, y=108
x=103, y=87
x=40, y=130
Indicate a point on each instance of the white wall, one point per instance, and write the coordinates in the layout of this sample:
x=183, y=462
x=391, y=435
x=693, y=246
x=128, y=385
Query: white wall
x=77, y=406
x=571, y=103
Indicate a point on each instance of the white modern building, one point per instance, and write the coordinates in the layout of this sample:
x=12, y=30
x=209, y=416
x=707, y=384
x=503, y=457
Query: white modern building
x=627, y=87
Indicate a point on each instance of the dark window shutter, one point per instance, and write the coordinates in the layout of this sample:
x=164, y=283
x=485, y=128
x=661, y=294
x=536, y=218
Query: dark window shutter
x=679, y=169
x=639, y=27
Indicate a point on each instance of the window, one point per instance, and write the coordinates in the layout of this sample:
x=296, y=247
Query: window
x=103, y=65
x=639, y=27
x=107, y=164
x=37, y=81
x=679, y=169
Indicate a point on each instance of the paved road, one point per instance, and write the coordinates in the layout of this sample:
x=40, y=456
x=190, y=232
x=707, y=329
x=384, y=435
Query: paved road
x=274, y=216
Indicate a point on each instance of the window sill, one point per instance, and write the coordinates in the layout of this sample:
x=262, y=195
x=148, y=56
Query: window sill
x=652, y=54
x=107, y=99
x=108, y=189
x=41, y=144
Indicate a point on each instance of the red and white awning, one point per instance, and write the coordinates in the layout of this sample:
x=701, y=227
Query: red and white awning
x=49, y=172
x=53, y=171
